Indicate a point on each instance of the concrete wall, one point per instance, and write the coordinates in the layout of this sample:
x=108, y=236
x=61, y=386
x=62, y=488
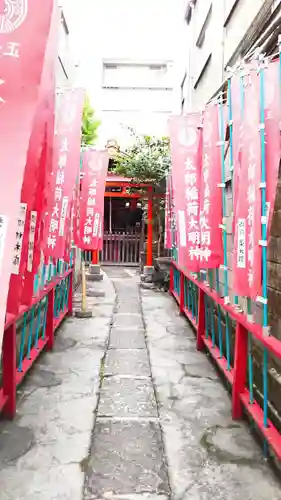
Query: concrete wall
x=216, y=30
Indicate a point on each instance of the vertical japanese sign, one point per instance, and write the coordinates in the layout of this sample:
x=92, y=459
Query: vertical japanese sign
x=168, y=215
x=211, y=252
x=31, y=240
x=65, y=171
x=24, y=31
x=247, y=250
x=185, y=147
x=95, y=164
x=19, y=238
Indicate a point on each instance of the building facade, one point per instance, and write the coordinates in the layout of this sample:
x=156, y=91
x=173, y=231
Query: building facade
x=134, y=80
x=137, y=96
x=221, y=33
x=66, y=63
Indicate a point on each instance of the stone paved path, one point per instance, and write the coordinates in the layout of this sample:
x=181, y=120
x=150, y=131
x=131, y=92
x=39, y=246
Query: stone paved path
x=125, y=409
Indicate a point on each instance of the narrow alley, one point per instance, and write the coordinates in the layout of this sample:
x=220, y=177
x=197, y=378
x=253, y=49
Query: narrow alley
x=126, y=407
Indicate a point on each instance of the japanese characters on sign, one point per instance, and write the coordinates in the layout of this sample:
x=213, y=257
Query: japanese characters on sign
x=56, y=225
x=95, y=164
x=185, y=147
x=211, y=250
x=19, y=238
x=168, y=216
x=65, y=171
x=3, y=234
x=31, y=240
x=192, y=197
x=247, y=250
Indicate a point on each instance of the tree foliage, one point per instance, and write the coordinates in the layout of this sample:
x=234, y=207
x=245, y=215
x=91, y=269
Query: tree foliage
x=90, y=124
x=148, y=160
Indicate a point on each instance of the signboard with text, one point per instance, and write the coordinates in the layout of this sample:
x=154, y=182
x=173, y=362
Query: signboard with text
x=247, y=250
x=185, y=134
x=211, y=250
x=94, y=168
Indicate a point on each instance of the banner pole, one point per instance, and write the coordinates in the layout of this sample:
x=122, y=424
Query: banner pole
x=230, y=124
x=84, y=295
x=224, y=230
x=264, y=242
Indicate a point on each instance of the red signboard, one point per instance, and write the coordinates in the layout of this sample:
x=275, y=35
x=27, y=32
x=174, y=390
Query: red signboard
x=65, y=171
x=185, y=148
x=94, y=169
x=33, y=182
x=211, y=251
x=247, y=250
x=24, y=32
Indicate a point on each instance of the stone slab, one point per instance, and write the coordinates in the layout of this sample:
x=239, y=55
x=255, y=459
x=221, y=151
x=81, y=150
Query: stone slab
x=121, y=338
x=94, y=277
x=94, y=269
x=83, y=314
x=125, y=397
x=128, y=319
x=95, y=293
x=209, y=455
x=125, y=458
x=127, y=362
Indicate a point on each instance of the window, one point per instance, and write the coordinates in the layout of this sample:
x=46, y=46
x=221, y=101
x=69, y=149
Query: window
x=230, y=5
x=202, y=34
x=134, y=75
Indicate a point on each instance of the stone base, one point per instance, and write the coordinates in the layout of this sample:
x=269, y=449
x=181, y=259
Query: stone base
x=147, y=286
x=94, y=277
x=94, y=269
x=95, y=293
x=148, y=270
x=83, y=314
x=147, y=275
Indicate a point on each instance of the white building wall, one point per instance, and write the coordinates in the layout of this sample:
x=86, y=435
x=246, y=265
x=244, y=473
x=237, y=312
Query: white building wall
x=67, y=62
x=216, y=30
x=135, y=31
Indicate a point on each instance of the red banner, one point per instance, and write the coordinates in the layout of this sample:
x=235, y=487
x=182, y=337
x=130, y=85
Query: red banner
x=237, y=136
x=33, y=181
x=24, y=32
x=94, y=168
x=247, y=251
x=185, y=149
x=211, y=252
x=272, y=134
x=65, y=172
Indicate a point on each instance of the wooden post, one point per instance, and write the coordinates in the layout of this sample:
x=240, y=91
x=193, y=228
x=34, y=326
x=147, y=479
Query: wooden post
x=171, y=277
x=181, y=293
x=95, y=257
x=149, y=256
x=240, y=370
x=50, y=332
x=201, y=321
x=70, y=295
x=9, y=371
x=84, y=292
